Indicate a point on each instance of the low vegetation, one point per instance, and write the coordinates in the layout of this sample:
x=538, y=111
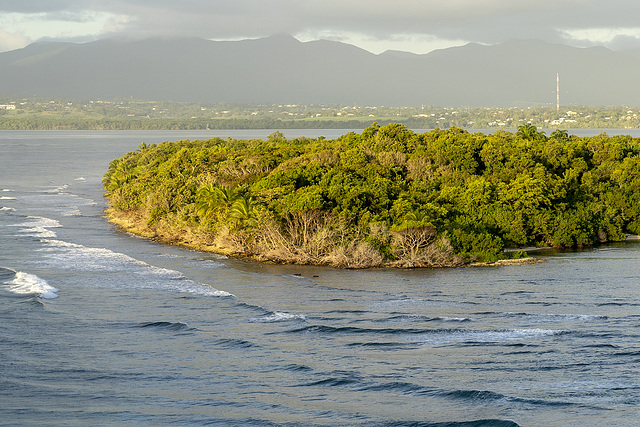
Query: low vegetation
x=131, y=114
x=388, y=196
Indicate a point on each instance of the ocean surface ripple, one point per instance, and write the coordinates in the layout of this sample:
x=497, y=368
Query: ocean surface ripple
x=103, y=328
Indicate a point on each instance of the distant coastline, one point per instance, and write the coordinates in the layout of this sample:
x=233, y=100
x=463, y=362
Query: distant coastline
x=63, y=114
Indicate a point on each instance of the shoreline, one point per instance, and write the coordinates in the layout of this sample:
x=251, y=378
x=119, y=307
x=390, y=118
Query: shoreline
x=129, y=225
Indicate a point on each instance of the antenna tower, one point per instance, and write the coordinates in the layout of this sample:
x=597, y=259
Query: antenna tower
x=558, y=92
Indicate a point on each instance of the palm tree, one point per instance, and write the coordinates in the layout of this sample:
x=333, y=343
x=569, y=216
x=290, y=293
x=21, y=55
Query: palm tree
x=530, y=132
x=242, y=212
x=213, y=200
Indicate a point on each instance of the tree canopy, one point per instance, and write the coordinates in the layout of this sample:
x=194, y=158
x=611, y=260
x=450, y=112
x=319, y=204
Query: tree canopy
x=435, y=198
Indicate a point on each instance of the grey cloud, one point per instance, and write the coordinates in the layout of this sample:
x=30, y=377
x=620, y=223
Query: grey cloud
x=42, y=6
x=622, y=43
x=487, y=21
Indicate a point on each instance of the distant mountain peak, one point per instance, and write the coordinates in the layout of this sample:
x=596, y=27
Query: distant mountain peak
x=282, y=69
x=282, y=37
x=400, y=54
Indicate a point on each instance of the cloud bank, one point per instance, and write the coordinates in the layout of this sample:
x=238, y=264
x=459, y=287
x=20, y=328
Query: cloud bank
x=376, y=25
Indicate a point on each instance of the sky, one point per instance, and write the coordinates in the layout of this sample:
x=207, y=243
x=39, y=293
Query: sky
x=417, y=26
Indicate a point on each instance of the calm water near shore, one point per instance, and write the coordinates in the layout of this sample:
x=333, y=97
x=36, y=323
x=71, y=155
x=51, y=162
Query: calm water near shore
x=99, y=327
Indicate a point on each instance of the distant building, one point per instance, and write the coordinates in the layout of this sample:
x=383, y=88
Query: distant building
x=7, y=107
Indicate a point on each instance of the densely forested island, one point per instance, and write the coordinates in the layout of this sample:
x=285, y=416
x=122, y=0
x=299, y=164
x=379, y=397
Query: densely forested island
x=385, y=197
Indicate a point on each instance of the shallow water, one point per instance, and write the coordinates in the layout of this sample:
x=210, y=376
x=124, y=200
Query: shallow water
x=100, y=327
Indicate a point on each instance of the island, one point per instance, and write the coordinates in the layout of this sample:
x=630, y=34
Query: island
x=387, y=197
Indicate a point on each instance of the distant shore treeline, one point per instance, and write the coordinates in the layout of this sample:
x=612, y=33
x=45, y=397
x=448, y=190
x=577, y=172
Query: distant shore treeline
x=129, y=114
x=191, y=124
x=387, y=196
x=47, y=123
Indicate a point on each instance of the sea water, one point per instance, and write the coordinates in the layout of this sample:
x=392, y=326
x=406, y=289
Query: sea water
x=99, y=327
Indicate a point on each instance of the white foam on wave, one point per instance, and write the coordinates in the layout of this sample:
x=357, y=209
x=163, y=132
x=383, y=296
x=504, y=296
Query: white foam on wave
x=454, y=319
x=39, y=221
x=7, y=198
x=69, y=203
x=80, y=179
x=549, y=318
x=488, y=337
x=131, y=272
x=6, y=190
x=80, y=257
x=58, y=189
x=513, y=334
x=278, y=316
x=38, y=226
x=409, y=302
x=28, y=284
x=72, y=211
x=58, y=201
x=40, y=232
x=6, y=209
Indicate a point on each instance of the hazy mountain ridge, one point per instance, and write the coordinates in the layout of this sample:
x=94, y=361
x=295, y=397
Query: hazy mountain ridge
x=281, y=69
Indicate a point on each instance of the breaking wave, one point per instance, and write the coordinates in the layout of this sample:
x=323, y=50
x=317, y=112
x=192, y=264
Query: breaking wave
x=22, y=283
x=131, y=272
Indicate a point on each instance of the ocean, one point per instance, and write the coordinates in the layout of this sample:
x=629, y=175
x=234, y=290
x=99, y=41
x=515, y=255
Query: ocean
x=100, y=327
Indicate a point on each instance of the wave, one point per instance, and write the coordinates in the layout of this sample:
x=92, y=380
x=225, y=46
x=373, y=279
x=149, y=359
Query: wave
x=235, y=343
x=7, y=198
x=40, y=232
x=452, y=319
x=475, y=423
x=409, y=318
x=6, y=274
x=58, y=189
x=436, y=336
x=167, y=326
x=404, y=302
x=6, y=190
x=38, y=226
x=354, y=382
x=137, y=274
x=504, y=335
x=277, y=316
x=382, y=345
x=22, y=283
x=543, y=318
x=351, y=330
x=485, y=395
x=39, y=221
x=331, y=382
x=6, y=209
x=294, y=367
x=72, y=211
x=435, y=319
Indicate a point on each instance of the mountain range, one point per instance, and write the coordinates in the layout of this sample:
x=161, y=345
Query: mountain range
x=282, y=70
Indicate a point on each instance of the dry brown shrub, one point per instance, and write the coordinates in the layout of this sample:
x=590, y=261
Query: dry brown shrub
x=309, y=231
x=420, y=168
x=409, y=243
x=440, y=254
x=428, y=250
x=392, y=158
x=357, y=254
x=233, y=242
x=305, y=237
x=325, y=158
x=250, y=167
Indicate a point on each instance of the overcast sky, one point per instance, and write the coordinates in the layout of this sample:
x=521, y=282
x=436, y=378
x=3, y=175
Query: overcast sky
x=417, y=26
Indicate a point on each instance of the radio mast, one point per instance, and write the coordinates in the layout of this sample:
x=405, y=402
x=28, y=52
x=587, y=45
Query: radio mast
x=558, y=92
